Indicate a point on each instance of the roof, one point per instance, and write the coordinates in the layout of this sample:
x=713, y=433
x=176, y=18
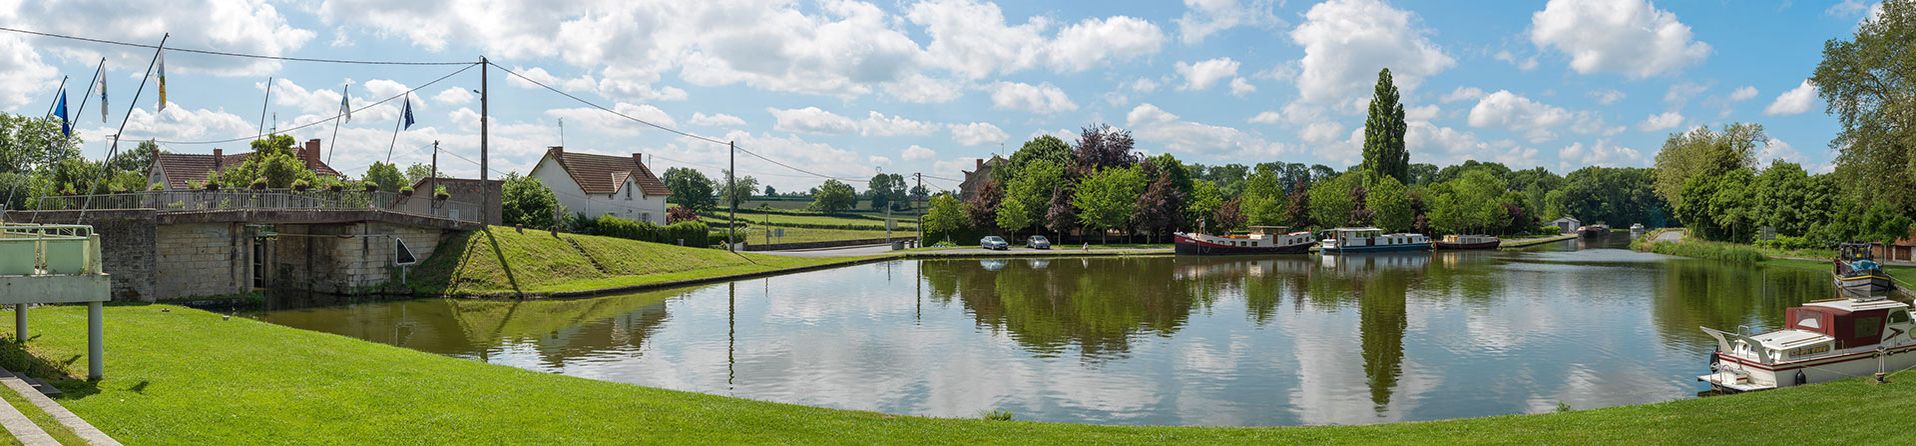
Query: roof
x=604, y=174
x=181, y=168
x=1855, y=305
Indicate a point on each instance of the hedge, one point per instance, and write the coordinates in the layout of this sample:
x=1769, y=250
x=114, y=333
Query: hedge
x=692, y=233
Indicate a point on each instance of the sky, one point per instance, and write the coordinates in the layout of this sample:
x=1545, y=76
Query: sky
x=847, y=88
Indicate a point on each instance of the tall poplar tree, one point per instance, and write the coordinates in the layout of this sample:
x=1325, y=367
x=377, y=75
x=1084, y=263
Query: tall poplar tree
x=1384, y=151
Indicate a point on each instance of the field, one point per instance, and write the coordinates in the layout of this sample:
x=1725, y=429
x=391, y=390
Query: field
x=501, y=261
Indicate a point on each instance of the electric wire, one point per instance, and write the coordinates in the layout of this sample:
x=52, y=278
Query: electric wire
x=335, y=116
x=228, y=53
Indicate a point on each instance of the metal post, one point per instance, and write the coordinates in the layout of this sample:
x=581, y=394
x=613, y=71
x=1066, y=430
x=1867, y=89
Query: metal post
x=731, y=194
x=485, y=139
x=263, y=105
x=95, y=340
x=921, y=212
x=20, y=323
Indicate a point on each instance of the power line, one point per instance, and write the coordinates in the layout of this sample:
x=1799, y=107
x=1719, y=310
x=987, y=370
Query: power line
x=607, y=110
x=335, y=116
x=788, y=166
x=226, y=53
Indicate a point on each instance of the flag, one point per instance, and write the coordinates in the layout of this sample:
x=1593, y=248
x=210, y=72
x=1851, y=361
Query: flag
x=345, y=102
x=162, y=61
x=103, y=92
x=60, y=109
x=405, y=114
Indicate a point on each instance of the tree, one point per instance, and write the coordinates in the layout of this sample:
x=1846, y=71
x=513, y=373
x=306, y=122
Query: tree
x=1227, y=217
x=691, y=189
x=920, y=193
x=945, y=216
x=140, y=159
x=418, y=171
x=385, y=175
x=1032, y=191
x=1298, y=206
x=770, y=191
x=885, y=190
x=1160, y=209
x=1203, y=204
x=1107, y=198
x=1867, y=83
x=1101, y=147
x=1469, y=204
x=983, y=206
x=1787, y=199
x=1061, y=216
x=1331, y=202
x=1013, y=216
x=1384, y=131
x=1390, y=204
x=280, y=169
x=32, y=144
x=525, y=201
x=739, y=190
x=1703, y=153
x=834, y=196
x=1042, y=148
x=1263, y=198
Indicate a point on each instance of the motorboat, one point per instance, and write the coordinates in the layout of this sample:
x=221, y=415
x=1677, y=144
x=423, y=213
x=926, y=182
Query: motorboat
x=1857, y=272
x=1636, y=229
x=1260, y=240
x=1593, y=230
x=1822, y=341
x=1455, y=241
x=1355, y=240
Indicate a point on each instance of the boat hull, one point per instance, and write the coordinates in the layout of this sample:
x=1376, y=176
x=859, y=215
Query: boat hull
x=1479, y=245
x=1186, y=246
x=1868, y=284
x=1761, y=376
x=1377, y=248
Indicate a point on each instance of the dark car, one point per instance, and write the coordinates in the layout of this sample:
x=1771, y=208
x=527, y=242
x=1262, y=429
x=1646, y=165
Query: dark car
x=1037, y=242
x=994, y=242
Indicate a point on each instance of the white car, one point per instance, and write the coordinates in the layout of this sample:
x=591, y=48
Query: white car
x=1037, y=242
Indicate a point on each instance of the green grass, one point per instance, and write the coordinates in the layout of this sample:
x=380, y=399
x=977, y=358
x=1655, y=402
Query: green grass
x=503, y=261
x=1906, y=275
x=183, y=376
x=39, y=417
x=808, y=235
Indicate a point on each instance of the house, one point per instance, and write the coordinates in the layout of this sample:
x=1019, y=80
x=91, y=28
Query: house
x=597, y=185
x=978, y=176
x=1567, y=224
x=476, y=192
x=180, y=171
x=1901, y=250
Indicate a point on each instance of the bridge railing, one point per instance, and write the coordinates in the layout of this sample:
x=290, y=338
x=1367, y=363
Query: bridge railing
x=201, y=201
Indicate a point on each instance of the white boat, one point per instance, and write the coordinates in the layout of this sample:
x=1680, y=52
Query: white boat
x=1261, y=240
x=1822, y=341
x=1354, y=240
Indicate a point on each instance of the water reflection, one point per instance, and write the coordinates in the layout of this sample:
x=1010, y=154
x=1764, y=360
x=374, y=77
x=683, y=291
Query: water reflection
x=1222, y=341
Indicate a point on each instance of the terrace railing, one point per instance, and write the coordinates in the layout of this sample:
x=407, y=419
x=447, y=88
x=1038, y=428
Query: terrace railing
x=285, y=199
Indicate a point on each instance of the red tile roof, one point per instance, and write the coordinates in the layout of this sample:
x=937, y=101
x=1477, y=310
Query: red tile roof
x=603, y=174
x=180, y=168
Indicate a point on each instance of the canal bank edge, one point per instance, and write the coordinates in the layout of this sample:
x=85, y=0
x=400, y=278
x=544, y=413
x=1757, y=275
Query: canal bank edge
x=461, y=401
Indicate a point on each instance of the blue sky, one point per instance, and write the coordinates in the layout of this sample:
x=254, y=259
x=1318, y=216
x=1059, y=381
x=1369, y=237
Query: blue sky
x=847, y=88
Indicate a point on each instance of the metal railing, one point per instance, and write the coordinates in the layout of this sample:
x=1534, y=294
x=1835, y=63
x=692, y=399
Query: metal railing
x=423, y=205
x=38, y=250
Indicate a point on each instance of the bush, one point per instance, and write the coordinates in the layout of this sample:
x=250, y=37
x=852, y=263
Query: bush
x=692, y=232
x=1785, y=242
x=1728, y=252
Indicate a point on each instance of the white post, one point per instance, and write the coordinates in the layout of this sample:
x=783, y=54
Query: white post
x=95, y=340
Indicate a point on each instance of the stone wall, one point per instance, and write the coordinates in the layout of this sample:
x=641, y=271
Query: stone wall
x=345, y=259
x=202, y=259
x=126, y=245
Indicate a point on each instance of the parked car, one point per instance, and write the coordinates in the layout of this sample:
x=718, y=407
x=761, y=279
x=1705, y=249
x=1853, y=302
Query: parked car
x=1037, y=242
x=994, y=242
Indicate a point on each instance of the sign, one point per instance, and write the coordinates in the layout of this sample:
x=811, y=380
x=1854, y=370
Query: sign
x=778, y=232
x=401, y=255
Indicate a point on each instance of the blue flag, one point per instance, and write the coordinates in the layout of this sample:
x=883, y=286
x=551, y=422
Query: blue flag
x=60, y=109
x=406, y=113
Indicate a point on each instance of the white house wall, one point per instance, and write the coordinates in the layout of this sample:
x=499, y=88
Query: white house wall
x=576, y=201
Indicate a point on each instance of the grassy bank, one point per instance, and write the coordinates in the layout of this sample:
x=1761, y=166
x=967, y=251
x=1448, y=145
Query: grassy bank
x=182, y=376
x=502, y=261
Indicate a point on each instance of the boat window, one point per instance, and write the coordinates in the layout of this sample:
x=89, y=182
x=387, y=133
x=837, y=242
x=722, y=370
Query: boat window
x=1808, y=319
x=1899, y=317
x=1869, y=327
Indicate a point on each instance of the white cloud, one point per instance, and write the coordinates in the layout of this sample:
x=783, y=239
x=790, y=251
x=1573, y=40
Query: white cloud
x=716, y=120
x=1092, y=42
x=1269, y=117
x=1847, y=8
x=877, y=124
x=1463, y=94
x=1154, y=126
x=1142, y=85
x=454, y=96
x=1527, y=64
x=1743, y=94
x=25, y=77
x=1346, y=41
x=916, y=153
x=1205, y=17
x=1240, y=87
x=1680, y=93
x=921, y=89
x=1042, y=99
x=973, y=40
x=1603, y=153
x=811, y=120
x=1661, y=121
x=1507, y=110
x=1795, y=101
x=878, y=160
x=1606, y=96
x=1203, y=74
x=976, y=133
x=607, y=123
x=1624, y=36
x=252, y=27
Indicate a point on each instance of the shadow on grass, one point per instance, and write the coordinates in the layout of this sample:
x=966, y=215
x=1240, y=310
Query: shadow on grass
x=503, y=264
x=23, y=360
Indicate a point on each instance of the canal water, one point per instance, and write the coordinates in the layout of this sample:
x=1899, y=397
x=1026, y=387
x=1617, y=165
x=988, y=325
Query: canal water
x=1249, y=341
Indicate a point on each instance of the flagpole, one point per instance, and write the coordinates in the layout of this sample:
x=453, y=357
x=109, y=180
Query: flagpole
x=395, y=140
x=56, y=96
x=345, y=101
x=130, y=104
x=262, y=107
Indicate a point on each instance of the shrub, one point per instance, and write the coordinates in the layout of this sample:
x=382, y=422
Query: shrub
x=1785, y=242
x=680, y=213
x=1728, y=252
x=692, y=232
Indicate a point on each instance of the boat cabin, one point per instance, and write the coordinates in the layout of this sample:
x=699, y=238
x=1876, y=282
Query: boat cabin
x=1458, y=239
x=1850, y=323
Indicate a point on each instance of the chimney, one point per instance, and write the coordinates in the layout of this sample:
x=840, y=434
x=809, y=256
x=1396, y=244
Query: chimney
x=639, y=158
x=218, y=158
x=311, y=154
x=978, y=165
x=555, y=151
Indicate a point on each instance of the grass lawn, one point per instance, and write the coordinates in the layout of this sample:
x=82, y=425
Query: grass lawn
x=808, y=235
x=781, y=219
x=181, y=376
x=503, y=261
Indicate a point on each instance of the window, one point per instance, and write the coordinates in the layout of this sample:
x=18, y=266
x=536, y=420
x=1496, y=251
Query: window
x=1869, y=327
x=646, y=216
x=1899, y=317
x=628, y=194
x=1808, y=319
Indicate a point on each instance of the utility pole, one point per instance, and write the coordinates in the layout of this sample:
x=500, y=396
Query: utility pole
x=435, y=165
x=731, y=193
x=485, y=204
x=921, y=212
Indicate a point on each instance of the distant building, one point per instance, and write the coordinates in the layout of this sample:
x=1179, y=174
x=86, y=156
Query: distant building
x=597, y=185
x=1901, y=250
x=976, y=178
x=178, y=171
x=1567, y=224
